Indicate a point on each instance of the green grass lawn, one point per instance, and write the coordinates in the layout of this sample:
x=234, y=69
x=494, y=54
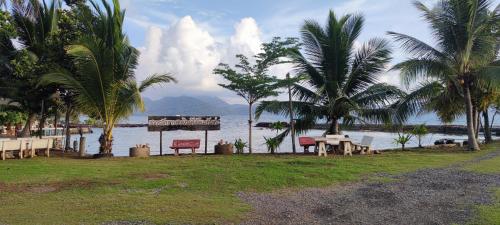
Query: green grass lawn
x=488, y=214
x=187, y=189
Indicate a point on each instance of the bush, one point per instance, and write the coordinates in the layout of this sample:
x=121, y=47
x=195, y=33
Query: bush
x=240, y=145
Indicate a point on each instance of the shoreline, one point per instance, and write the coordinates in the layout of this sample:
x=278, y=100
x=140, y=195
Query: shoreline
x=434, y=129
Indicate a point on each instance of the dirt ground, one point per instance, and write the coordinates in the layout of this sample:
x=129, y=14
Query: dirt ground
x=429, y=196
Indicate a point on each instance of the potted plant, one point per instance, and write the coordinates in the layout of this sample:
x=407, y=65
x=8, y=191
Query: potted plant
x=223, y=148
x=140, y=151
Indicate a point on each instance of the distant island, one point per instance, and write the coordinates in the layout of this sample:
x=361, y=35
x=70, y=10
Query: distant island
x=192, y=105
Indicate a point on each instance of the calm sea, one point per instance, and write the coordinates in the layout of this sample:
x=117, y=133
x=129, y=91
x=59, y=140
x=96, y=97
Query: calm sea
x=232, y=128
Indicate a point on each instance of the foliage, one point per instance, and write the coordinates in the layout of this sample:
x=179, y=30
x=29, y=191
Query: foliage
x=272, y=144
x=466, y=37
x=420, y=131
x=240, y=145
x=277, y=126
x=6, y=25
x=92, y=122
x=250, y=78
x=12, y=117
x=403, y=139
x=105, y=88
x=253, y=82
x=36, y=27
x=338, y=80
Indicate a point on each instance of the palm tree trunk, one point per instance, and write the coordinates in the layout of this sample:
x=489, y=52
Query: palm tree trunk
x=334, y=127
x=250, y=128
x=106, y=142
x=67, y=118
x=56, y=118
x=26, y=132
x=292, y=122
x=475, y=114
x=41, y=125
x=487, y=131
x=472, y=142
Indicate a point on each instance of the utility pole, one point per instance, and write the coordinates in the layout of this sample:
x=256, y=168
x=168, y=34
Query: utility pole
x=290, y=107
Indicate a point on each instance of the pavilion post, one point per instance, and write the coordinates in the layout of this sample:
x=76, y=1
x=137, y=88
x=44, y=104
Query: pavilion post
x=206, y=142
x=161, y=143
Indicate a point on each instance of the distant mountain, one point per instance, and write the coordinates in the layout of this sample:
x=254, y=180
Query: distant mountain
x=196, y=106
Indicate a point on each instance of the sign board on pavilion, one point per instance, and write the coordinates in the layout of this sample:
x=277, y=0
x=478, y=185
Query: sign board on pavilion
x=190, y=123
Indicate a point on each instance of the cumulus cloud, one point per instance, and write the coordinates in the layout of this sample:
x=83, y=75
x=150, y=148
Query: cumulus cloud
x=247, y=37
x=188, y=51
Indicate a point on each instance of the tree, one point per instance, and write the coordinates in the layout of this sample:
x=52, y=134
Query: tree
x=253, y=82
x=402, y=140
x=420, y=131
x=463, y=30
x=35, y=26
x=338, y=81
x=105, y=87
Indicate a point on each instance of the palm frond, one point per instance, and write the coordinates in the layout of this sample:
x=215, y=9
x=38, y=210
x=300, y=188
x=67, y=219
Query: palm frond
x=417, y=48
x=156, y=79
x=368, y=62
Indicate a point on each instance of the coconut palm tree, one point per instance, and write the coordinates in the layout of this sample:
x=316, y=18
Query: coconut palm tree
x=464, y=33
x=339, y=80
x=35, y=24
x=105, y=87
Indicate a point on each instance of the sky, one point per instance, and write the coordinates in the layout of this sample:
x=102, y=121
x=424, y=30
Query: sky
x=189, y=38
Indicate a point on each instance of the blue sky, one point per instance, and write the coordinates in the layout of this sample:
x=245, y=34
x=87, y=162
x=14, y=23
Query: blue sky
x=190, y=37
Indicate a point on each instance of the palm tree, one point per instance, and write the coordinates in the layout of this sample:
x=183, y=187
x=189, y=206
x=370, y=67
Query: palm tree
x=35, y=24
x=105, y=87
x=463, y=30
x=339, y=81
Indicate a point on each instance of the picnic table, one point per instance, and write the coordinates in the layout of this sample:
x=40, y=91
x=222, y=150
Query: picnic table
x=344, y=145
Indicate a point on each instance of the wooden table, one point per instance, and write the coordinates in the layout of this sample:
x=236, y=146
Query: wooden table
x=344, y=145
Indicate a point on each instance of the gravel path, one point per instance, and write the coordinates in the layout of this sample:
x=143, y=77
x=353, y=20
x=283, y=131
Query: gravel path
x=429, y=196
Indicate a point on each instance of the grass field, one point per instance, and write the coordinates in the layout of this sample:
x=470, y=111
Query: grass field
x=187, y=189
x=489, y=214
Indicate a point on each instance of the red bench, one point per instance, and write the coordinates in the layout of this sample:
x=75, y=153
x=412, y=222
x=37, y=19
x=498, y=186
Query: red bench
x=307, y=142
x=192, y=144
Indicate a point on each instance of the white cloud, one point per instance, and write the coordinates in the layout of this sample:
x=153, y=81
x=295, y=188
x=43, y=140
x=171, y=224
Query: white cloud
x=247, y=37
x=190, y=52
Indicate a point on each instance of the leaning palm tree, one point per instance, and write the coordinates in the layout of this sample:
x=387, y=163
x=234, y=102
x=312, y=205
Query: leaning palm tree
x=339, y=81
x=105, y=87
x=464, y=33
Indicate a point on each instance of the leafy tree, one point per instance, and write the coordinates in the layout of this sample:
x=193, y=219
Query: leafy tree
x=105, y=87
x=465, y=37
x=252, y=81
x=35, y=24
x=420, y=131
x=339, y=81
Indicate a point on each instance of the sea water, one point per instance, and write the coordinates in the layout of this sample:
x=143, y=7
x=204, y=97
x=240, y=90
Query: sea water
x=232, y=128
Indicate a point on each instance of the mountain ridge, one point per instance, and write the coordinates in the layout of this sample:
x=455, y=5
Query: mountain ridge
x=192, y=105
